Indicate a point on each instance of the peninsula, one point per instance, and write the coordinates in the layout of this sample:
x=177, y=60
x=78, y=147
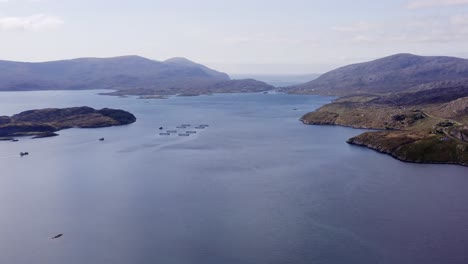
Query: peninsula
x=419, y=104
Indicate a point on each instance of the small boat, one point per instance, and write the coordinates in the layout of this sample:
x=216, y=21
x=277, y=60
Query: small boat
x=57, y=236
x=15, y=140
x=24, y=154
x=101, y=139
x=161, y=128
x=164, y=134
x=184, y=135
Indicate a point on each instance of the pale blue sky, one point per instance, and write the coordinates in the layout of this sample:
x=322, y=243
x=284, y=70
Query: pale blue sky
x=256, y=36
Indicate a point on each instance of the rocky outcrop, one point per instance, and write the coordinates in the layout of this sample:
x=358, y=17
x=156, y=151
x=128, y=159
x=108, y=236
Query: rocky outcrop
x=433, y=130
x=415, y=147
x=44, y=122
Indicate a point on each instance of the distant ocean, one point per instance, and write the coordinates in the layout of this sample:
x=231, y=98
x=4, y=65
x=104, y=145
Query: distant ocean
x=278, y=80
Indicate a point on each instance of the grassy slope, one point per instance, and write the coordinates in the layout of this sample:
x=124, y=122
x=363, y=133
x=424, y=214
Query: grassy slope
x=412, y=132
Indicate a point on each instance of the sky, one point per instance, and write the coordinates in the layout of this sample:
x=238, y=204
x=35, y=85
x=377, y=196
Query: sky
x=237, y=37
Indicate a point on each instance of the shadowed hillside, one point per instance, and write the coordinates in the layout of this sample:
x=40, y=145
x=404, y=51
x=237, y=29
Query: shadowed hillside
x=390, y=74
x=132, y=74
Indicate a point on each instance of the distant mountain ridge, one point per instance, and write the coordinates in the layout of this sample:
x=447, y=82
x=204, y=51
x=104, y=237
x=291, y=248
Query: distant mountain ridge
x=394, y=73
x=102, y=73
x=124, y=73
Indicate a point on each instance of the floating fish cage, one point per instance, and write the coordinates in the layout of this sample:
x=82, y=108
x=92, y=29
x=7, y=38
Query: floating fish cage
x=164, y=134
x=184, y=135
x=191, y=132
x=172, y=131
x=185, y=125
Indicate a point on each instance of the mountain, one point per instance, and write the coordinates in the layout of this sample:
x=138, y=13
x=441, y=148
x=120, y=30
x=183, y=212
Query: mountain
x=125, y=73
x=391, y=74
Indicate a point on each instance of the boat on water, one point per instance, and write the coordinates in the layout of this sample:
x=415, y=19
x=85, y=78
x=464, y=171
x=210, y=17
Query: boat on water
x=57, y=236
x=24, y=154
x=101, y=139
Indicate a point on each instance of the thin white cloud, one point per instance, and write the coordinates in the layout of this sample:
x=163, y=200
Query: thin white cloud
x=459, y=20
x=38, y=22
x=360, y=26
x=428, y=29
x=416, y=4
x=363, y=39
x=267, y=39
x=31, y=1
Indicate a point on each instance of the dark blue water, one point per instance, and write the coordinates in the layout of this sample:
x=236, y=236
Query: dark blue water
x=256, y=186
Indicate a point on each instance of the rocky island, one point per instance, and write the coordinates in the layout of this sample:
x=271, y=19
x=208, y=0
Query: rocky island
x=45, y=122
x=421, y=119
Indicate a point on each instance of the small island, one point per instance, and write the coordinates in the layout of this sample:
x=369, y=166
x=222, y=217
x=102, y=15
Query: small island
x=45, y=122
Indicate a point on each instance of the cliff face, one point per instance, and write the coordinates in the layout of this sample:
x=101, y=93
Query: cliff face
x=46, y=121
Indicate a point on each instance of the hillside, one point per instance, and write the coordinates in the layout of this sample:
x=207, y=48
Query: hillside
x=425, y=126
x=391, y=74
x=124, y=73
x=419, y=103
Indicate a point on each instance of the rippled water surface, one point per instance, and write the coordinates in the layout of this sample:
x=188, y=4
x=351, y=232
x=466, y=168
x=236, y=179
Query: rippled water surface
x=256, y=186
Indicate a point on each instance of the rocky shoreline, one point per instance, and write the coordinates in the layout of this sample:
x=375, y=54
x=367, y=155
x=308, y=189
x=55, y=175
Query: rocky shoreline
x=400, y=152
x=42, y=123
x=413, y=133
